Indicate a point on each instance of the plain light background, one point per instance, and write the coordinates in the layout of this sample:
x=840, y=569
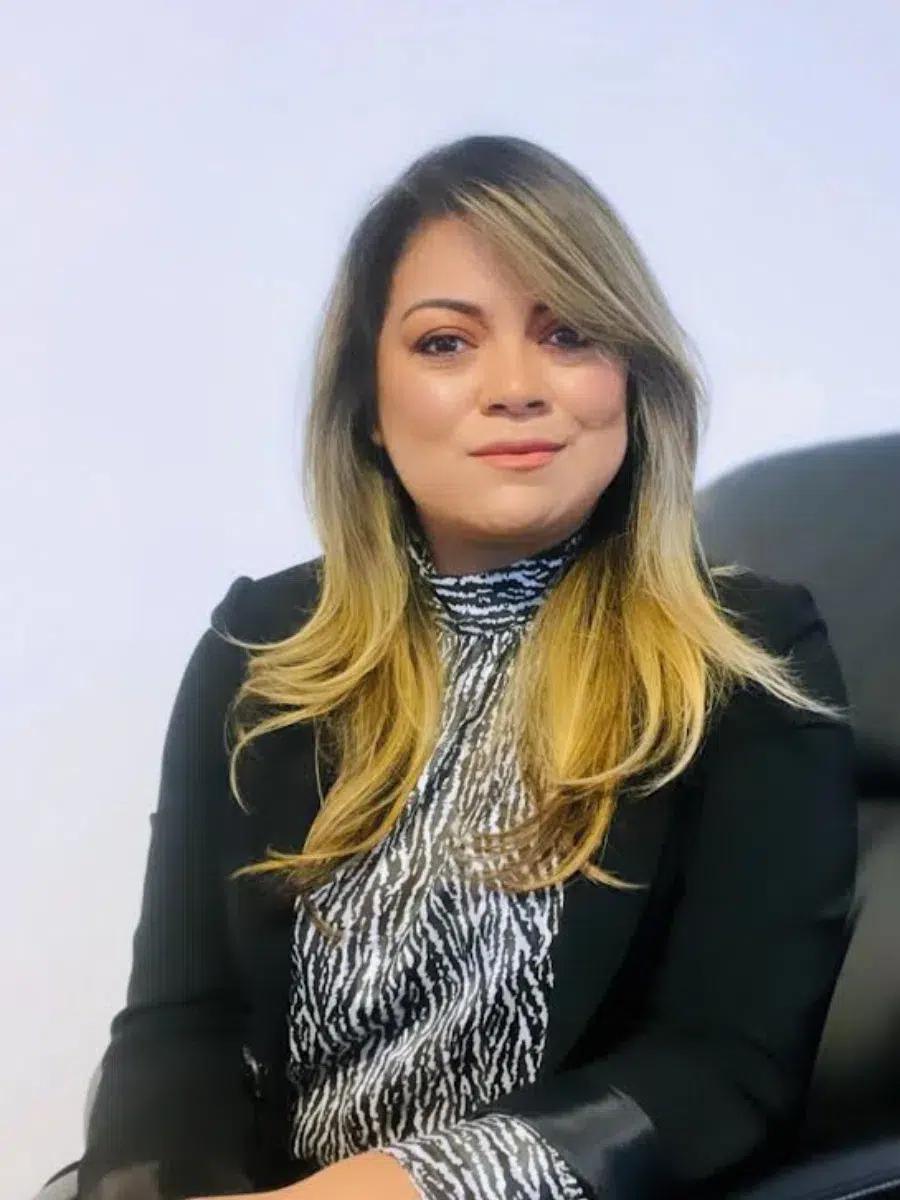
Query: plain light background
x=177, y=180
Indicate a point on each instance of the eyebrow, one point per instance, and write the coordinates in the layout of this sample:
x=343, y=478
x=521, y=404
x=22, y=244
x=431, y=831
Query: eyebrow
x=466, y=307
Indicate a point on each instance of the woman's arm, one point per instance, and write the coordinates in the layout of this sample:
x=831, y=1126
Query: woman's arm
x=171, y=1117
x=758, y=939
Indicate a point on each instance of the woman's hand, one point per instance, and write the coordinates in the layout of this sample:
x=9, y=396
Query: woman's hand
x=370, y=1176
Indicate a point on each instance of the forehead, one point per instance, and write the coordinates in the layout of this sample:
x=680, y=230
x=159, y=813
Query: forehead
x=447, y=256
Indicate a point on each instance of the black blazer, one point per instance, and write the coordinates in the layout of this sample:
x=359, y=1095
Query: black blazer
x=685, y=1014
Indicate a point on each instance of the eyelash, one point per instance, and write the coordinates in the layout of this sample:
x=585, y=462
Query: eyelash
x=584, y=344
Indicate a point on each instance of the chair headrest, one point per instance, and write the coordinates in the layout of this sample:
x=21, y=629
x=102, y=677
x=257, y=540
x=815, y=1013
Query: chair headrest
x=829, y=517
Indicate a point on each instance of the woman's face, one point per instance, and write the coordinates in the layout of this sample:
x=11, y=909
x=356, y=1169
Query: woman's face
x=468, y=359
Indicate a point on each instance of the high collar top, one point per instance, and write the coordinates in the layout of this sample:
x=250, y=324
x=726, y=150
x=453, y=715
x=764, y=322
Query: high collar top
x=498, y=599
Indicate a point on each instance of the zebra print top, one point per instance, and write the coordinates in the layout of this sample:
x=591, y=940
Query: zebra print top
x=433, y=1001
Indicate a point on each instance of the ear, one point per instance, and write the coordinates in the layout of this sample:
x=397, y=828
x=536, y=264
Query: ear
x=376, y=437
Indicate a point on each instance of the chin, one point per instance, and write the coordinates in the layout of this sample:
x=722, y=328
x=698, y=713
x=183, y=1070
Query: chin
x=517, y=527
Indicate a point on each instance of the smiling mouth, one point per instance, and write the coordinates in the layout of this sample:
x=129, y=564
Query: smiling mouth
x=522, y=460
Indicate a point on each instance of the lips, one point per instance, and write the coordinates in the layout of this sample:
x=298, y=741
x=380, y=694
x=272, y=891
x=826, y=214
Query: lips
x=521, y=458
x=510, y=448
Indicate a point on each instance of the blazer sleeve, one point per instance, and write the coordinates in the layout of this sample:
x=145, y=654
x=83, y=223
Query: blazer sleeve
x=171, y=1117
x=723, y=1062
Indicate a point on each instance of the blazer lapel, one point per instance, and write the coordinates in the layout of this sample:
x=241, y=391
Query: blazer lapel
x=599, y=921
x=283, y=800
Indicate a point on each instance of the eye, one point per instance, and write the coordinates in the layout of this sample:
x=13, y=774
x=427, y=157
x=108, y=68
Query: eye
x=569, y=338
x=440, y=345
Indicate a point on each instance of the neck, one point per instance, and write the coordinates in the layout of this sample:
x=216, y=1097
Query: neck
x=454, y=553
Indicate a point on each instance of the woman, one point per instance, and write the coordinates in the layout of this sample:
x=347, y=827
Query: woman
x=538, y=882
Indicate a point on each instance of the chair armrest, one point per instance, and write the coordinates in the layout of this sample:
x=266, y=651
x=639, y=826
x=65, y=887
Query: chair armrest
x=857, y=1173
x=63, y=1185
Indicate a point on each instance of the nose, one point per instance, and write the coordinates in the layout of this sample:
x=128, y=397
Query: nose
x=518, y=406
x=513, y=385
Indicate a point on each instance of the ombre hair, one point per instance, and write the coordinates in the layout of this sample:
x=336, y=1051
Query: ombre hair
x=616, y=680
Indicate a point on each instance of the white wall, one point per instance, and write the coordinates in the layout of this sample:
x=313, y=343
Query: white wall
x=177, y=181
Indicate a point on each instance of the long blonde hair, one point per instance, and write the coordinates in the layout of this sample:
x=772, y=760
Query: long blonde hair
x=613, y=685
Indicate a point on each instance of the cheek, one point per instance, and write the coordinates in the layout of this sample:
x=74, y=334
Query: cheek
x=598, y=407
x=417, y=408
x=598, y=400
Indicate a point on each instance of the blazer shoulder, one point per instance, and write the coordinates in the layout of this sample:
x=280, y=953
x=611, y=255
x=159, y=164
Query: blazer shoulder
x=270, y=608
x=784, y=619
x=771, y=611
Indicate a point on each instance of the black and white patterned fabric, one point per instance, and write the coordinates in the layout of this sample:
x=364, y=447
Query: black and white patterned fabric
x=433, y=1000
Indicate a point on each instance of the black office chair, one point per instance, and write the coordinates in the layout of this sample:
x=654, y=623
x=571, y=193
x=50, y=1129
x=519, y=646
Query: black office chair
x=829, y=517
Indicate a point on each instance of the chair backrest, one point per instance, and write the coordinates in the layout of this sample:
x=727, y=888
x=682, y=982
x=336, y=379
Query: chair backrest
x=829, y=517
